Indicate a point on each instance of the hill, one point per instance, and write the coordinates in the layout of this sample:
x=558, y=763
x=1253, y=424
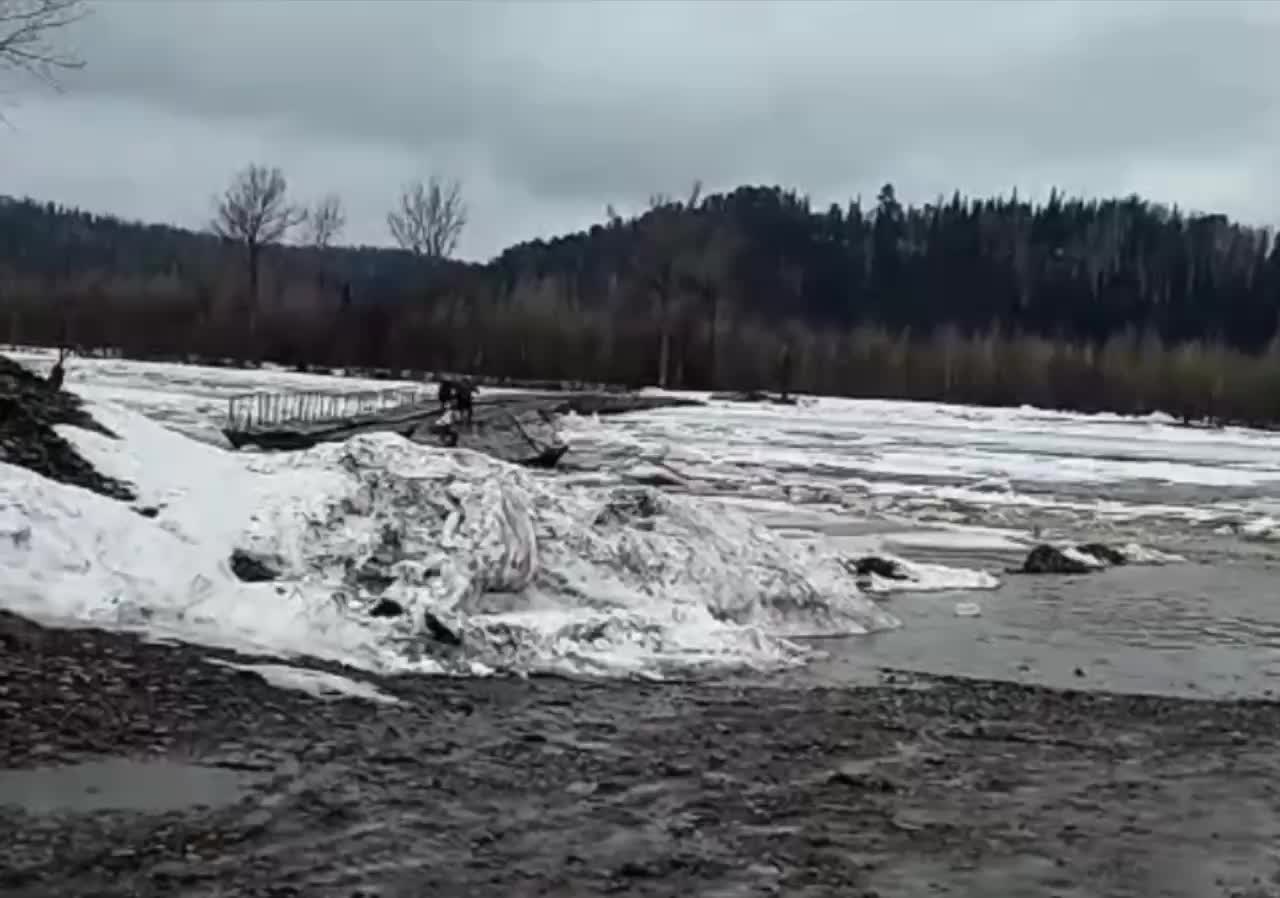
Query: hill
x=743, y=289
x=55, y=242
x=1068, y=268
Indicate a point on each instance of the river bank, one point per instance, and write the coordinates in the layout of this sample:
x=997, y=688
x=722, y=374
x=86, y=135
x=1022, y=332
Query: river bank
x=552, y=786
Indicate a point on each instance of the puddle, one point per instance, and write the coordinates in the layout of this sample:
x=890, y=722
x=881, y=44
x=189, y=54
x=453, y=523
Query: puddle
x=120, y=784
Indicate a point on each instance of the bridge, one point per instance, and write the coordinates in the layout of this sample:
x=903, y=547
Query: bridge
x=515, y=426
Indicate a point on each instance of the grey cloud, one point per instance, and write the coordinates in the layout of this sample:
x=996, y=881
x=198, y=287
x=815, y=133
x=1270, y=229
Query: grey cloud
x=553, y=109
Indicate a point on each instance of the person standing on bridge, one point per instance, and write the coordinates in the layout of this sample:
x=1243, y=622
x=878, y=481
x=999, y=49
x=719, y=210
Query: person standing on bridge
x=457, y=395
x=446, y=393
x=462, y=397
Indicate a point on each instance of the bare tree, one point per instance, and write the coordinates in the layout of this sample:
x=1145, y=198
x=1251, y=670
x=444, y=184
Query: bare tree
x=665, y=233
x=429, y=218
x=27, y=28
x=324, y=222
x=255, y=211
x=707, y=277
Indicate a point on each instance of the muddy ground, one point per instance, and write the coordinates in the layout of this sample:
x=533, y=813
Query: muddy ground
x=29, y=410
x=552, y=787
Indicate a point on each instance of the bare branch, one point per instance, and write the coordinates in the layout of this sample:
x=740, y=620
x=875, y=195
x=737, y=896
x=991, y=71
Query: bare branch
x=695, y=195
x=324, y=222
x=429, y=218
x=27, y=28
x=255, y=210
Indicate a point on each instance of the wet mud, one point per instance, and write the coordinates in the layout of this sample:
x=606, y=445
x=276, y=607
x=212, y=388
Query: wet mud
x=913, y=786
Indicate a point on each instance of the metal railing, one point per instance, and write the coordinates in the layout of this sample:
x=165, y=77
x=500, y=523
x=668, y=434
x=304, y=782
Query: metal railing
x=249, y=411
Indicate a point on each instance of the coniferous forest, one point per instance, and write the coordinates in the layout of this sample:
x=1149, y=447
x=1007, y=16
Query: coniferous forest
x=1117, y=304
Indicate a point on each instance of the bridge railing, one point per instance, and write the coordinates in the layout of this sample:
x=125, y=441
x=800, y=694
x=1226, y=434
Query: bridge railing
x=250, y=411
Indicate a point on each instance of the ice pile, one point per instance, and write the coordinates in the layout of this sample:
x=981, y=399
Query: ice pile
x=1264, y=528
x=920, y=577
x=528, y=572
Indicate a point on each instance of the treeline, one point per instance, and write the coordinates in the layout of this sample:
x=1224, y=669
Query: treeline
x=1085, y=304
x=54, y=244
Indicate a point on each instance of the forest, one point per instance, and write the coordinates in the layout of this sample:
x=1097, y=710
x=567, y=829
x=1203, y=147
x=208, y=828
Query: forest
x=1118, y=304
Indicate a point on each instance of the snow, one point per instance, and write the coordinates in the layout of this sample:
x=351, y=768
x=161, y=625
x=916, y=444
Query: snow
x=191, y=398
x=934, y=462
x=319, y=683
x=959, y=539
x=1263, y=529
x=1073, y=554
x=1134, y=553
x=830, y=455
x=921, y=577
x=532, y=574
x=743, y=552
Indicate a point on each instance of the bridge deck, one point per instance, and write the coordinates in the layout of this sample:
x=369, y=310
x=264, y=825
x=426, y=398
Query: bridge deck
x=508, y=425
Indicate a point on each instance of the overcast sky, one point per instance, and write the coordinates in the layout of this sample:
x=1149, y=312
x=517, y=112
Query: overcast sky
x=549, y=111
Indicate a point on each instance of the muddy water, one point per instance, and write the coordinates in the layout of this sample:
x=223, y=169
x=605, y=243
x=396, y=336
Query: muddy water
x=1194, y=629
x=119, y=784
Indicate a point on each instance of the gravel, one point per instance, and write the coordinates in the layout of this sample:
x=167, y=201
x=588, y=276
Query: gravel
x=921, y=786
x=29, y=410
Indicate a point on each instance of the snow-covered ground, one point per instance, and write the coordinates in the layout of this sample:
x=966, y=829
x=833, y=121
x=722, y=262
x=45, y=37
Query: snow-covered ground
x=581, y=571
x=981, y=478
x=945, y=464
x=190, y=398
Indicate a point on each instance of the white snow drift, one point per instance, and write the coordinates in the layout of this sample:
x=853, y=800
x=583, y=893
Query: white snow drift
x=531, y=573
